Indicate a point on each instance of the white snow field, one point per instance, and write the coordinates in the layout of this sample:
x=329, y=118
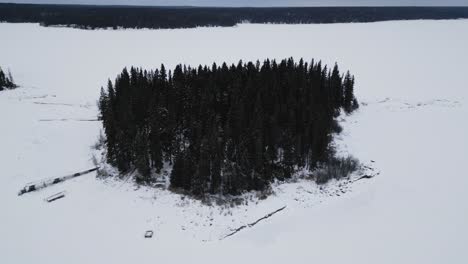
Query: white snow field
x=411, y=81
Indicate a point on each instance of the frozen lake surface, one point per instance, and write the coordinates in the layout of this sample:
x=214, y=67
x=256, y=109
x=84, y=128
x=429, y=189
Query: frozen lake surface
x=411, y=82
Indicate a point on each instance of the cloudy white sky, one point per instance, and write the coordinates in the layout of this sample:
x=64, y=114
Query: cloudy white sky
x=257, y=2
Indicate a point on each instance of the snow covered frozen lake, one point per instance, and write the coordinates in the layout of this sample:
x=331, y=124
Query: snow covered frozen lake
x=411, y=81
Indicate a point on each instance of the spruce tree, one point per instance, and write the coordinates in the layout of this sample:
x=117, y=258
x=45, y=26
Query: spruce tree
x=350, y=103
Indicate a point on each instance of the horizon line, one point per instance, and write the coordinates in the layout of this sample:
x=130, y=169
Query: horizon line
x=207, y=6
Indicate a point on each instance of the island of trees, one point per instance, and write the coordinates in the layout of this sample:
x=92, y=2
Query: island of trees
x=6, y=81
x=225, y=128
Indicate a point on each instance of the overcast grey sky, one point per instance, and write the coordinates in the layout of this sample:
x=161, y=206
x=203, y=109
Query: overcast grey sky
x=257, y=2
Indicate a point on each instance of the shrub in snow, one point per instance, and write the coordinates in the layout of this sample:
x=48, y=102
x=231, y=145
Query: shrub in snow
x=335, y=168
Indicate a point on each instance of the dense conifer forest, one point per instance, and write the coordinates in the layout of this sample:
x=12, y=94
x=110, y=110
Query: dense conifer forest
x=6, y=80
x=90, y=17
x=224, y=129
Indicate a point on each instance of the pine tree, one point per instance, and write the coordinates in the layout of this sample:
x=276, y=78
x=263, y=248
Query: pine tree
x=337, y=88
x=177, y=175
x=142, y=163
x=350, y=103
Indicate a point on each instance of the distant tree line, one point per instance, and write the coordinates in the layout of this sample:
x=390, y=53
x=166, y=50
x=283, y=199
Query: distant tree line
x=90, y=17
x=6, y=81
x=224, y=129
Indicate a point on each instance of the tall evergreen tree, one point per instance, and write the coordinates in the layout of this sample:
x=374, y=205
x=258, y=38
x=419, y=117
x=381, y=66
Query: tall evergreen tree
x=350, y=102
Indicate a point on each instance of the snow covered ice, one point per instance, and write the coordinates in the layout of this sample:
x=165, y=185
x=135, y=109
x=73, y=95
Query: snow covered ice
x=410, y=81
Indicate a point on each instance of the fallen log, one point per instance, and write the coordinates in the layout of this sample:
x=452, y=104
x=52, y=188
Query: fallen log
x=46, y=183
x=365, y=177
x=254, y=223
x=55, y=197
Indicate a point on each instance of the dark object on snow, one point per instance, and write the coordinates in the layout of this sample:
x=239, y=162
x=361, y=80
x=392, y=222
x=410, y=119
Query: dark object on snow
x=55, y=197
x=6, y=81
x=56, y=180
x=254, y=223
x=149, y=234
x=366, y=177
x=160, y=183
x=46, y=183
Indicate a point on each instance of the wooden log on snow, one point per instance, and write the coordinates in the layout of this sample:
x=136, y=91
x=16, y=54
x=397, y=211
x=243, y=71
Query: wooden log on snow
x=253, y=223
x=46, y=183
x=54, y=197
x=365, y=177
